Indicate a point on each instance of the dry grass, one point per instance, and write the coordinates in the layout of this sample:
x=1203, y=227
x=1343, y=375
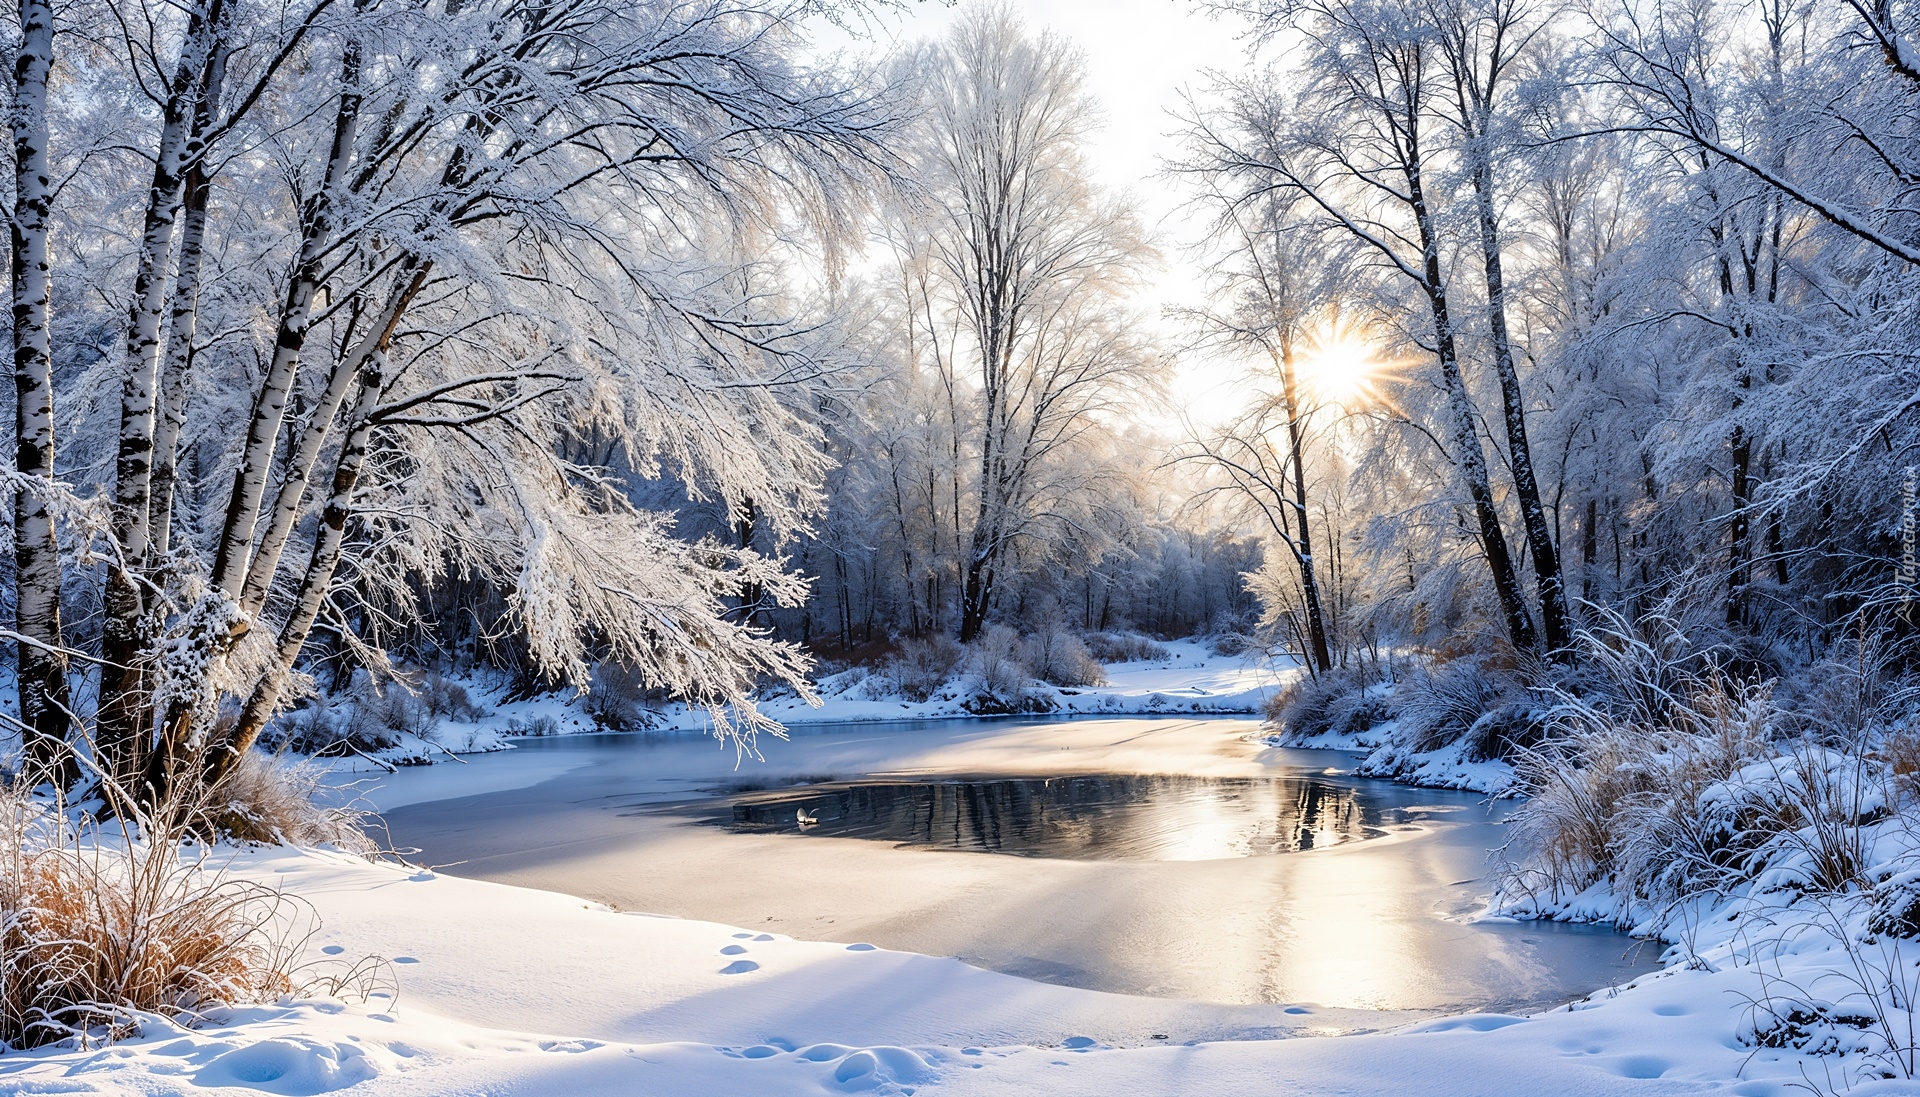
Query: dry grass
x=99, y=923
x=1669, y=779
x=274, y=799
x=1631, y=786
x=1900, y=750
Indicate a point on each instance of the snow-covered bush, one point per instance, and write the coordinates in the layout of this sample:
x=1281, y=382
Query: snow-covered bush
x=1231, y=641
x=1341, y=701
x=1057, y=655
x=379, y=718
x=1467, y=699
x=1667, y=779
x=1642, y=803
x=369, y=716
x=275, y=799
x=1124, y=647
x=1001, y=681
x=617, y=697
x=536, y=726
x=446, y=698
x=921, y=667
x=995, y=661
x=98, y=924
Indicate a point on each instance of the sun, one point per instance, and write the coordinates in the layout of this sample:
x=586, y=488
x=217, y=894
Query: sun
x=1341, y=369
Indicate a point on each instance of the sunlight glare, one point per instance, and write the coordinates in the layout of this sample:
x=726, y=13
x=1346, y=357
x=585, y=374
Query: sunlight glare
x=1341, y=370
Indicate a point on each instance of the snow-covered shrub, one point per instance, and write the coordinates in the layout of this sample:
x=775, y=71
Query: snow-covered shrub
x=1055, y=654
x=308, y=729
x=1667, y=783
x=368, y=716
x=1630, y=786
x=1810, y=1026
x=1001, y=681
x=921, y=667
x=273, y=799
x=1461, y=698
x=1231, y=642
x=539, y=725
x=1124, y=647
x=1895, y=910
x=378, y=718
x=617, y=698
x=446, y=698
x=1341, y=701
x=1644, y=805
x=995, y=660
x=100, y=924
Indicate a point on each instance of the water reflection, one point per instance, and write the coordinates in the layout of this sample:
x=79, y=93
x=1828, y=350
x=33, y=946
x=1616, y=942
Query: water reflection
x=1090, y=818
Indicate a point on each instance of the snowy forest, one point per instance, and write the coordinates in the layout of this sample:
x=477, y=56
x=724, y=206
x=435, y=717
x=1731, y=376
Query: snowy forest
x=1511, y=397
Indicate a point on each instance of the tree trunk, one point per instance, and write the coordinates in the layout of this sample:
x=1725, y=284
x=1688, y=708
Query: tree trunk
x=1309, y=581
x=232, y=557
x=1468, y=456
x=312, y=593
x=1738, y=564
x=1549, y=583
x=122, y=731
x=297, y=471
x=44, y=709
x=183, y=321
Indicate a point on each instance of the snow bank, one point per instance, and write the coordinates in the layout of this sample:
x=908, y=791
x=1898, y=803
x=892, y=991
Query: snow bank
x=1191, y=680
x=1387, y=755
x=504, y=989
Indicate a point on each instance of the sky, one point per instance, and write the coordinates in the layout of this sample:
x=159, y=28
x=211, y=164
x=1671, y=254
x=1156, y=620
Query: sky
x=1142, y=57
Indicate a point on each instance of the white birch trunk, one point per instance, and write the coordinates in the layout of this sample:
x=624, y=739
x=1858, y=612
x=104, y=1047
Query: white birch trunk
x=298, y=472
x=122, y=732
x=232, y=556
x=36, y=559
x=312, y=594
x=183, y=320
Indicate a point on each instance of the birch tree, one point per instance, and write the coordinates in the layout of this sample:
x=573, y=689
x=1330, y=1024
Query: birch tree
x=460, y=236
x=1033, y=261
x=1359, y=144
x=43, y=693
x=1279, y=297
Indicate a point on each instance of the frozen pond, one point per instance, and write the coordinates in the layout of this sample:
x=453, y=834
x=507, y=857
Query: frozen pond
x=1096, y=817
x=1163, y=857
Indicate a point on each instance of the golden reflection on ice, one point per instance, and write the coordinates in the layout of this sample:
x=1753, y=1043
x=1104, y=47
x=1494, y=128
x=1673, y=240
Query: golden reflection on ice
x=1340, y=946
x=1091, y=817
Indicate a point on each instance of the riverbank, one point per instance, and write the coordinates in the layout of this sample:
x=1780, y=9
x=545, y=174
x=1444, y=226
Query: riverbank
x=511, y=990
x=1161, y=881
x=452, y=985
x=1189, y=679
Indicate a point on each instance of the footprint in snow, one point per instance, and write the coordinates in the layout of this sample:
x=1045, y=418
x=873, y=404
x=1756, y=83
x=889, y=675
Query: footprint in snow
x=733, y=950
x=862, y=947
x=405, y=960
x=333, y=950
x=740, y=967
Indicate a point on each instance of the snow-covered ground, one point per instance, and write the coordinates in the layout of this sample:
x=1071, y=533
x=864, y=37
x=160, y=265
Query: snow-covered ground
x=1191, y=680
x=507, y=990
x=1385, y=756
x=503, y=989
